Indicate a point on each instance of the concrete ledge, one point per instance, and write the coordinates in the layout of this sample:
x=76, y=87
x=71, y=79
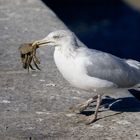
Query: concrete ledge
x=35, y=106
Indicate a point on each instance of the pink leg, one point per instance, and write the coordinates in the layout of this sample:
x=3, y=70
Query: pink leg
x=93, y=117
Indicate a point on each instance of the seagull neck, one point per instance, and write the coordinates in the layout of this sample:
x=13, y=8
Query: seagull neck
x=69, y=46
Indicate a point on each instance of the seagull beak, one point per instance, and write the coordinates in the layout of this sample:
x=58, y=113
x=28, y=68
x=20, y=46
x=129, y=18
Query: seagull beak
x=41, y=42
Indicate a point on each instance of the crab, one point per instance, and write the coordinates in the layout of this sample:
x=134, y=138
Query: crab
x=28, y=55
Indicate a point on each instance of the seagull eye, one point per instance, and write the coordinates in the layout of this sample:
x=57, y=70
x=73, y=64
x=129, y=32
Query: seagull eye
x=56, y=37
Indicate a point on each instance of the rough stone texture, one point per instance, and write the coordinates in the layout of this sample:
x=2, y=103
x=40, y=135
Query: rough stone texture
x=35, y=106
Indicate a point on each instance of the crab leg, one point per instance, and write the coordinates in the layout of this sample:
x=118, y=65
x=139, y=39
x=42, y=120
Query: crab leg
x=30, y=60
x=25, y=61
x=35, y=58
x=36, y=64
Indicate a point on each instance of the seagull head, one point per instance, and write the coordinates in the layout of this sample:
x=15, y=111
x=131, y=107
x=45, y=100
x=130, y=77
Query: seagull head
x=57, y=39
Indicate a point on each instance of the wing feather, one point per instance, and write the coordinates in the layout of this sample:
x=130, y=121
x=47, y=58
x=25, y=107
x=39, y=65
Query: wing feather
x=108, y=67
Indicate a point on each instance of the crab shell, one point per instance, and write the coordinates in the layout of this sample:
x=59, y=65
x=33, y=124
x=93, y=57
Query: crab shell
x=27, y=48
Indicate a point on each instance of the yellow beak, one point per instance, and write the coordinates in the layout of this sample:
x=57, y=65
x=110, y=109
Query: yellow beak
x=41, y=42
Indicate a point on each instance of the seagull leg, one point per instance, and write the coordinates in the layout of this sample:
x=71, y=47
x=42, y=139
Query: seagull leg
x=81, y=107
x=93, y=117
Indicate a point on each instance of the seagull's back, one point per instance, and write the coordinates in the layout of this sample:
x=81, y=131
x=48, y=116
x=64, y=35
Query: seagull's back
x=111, y=68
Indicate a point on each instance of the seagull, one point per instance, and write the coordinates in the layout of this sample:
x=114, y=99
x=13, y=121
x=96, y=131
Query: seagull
x=91, y=70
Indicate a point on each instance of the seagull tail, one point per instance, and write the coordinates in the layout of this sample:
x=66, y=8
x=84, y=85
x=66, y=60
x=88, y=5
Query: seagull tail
x=133, y=63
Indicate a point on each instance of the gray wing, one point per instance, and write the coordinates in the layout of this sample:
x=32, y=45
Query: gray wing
x=108, y=67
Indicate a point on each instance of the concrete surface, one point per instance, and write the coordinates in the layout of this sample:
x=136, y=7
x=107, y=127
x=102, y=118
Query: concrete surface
x=35, y=106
